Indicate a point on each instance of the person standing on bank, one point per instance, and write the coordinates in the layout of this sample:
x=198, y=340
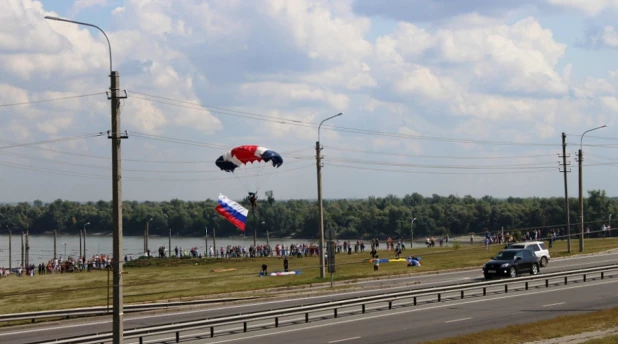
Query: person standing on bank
x=285, y=264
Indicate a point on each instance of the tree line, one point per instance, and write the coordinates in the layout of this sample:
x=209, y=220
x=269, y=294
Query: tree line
x=349, y=218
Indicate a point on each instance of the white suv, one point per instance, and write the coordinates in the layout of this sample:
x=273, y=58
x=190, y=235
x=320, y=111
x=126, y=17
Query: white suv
x=538, y=247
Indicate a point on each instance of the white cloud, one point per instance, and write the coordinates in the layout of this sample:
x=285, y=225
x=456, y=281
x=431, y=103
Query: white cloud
x=284, y=93
x=589, y=7
x=320, y=31
x=55, y=125
x=517, y=58
x=461, y=70
x=80, y=5
x=606, y=37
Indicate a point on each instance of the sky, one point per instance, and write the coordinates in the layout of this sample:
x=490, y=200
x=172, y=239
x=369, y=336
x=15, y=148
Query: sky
x=438, y=97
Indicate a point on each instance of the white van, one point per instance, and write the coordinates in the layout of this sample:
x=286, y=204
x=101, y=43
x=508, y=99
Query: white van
x=538, y=247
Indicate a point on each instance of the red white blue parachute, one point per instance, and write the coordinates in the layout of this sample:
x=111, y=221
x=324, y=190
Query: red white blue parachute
x=248, y=164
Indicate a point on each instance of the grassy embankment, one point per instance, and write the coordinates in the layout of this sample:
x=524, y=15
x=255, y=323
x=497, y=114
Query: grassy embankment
x=545, y=329
x=164, y=279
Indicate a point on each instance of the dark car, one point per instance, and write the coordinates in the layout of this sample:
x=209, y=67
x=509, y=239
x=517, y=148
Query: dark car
x=511, y=262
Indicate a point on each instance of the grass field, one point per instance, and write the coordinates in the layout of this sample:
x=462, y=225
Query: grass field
x=164, y=279
x=544, y=329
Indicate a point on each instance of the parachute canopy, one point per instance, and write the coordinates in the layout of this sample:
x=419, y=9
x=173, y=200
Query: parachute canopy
x=247, y=154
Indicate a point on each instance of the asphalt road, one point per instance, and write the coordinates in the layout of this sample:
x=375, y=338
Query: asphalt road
x=440, y=320
x=40, y=332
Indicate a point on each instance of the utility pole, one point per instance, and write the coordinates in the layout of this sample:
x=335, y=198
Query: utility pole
x=84, y=245
x=10, y=250
x=145, y=231
x=22, y=249
x=565, y=170
x=146, y=235
x=581, y=196
x=81, y=235
x=169, y=255
x=214, y=240
x=27, y=249
x=318, y=162
x=116, y=137
x=318, y=159
x=206, y=242
x=412, y=232
x=581, y=202
x=117, y=262
x=55, y=238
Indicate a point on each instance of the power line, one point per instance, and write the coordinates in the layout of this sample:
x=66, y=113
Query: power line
x=98, y=176
x=99, y=167
x=51, y=99
x=440, y=156
x=430, y=172
x=209, y=145
x=472, y=167
x=16, y=144
x=254, y=116
x=63, y=139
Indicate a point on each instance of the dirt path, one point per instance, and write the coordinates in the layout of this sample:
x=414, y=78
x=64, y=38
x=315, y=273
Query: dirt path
x=579, y=338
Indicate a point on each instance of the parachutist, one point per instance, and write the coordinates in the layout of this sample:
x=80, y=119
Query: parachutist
x=253, y=199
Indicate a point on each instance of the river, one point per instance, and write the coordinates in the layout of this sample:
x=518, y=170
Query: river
x=42, y=246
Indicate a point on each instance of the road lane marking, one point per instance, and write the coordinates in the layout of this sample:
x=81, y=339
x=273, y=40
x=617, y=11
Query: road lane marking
x=554, y=304
x=253, y=336
x=343, y=340
x=456, y=320
x=136, y=318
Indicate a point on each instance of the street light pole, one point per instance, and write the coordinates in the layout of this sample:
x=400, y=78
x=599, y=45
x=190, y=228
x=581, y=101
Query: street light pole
x=146, y=236
x=318, y=159
x=206, y=242
x=581, y=197
x=80, y=242
x=412, y=232
x=116, y=138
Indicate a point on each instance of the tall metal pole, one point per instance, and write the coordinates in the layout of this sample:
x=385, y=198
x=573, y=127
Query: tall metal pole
x=206, y=242
x=566, y=193
x=412, y=232
x=55, y=238
x=22, y=249
x=81, y=235
x=214, y=240
x=147, y=237
x=10, y=251
x=84, y=245
x=27, y=248
x=169, y=255
x=116, y=137
x=318, y=161
x=117, y=209
x=581, y=196
x=83, y=254
x=581, y=204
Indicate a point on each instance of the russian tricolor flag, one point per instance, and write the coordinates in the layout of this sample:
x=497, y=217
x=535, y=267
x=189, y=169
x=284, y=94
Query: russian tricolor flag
x=232, y=211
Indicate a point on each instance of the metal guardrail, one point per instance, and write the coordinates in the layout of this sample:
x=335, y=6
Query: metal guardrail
x=104, y=310
x=390, y=298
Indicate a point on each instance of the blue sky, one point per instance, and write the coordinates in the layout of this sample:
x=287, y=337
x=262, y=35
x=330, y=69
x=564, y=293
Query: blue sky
x=463, y=98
